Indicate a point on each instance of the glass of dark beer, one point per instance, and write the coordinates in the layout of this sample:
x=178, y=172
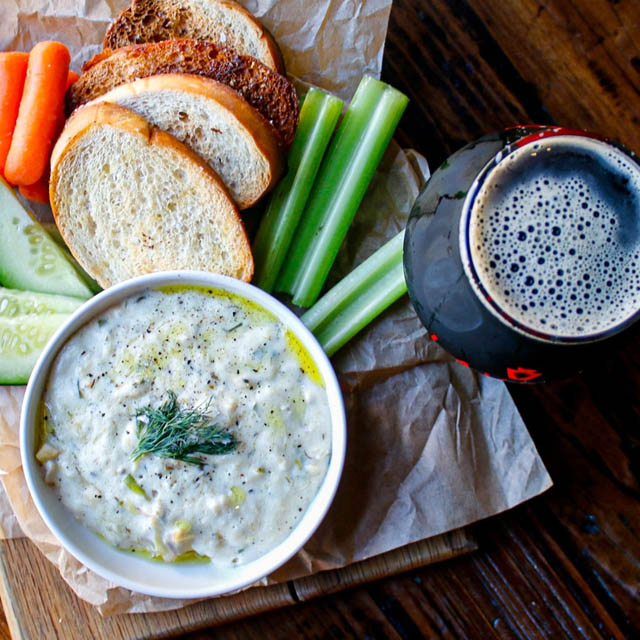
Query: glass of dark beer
x=522, y=252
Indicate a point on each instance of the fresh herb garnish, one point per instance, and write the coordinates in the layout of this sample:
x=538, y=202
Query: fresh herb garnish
x=172, y=432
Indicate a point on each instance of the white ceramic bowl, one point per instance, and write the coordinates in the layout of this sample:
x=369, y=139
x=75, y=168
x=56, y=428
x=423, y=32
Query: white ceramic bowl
x=137, y=573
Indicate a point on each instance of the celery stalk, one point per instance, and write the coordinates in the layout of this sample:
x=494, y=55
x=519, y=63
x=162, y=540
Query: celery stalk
x=318, y=117
x=335, y=166
x=344, y=176
x=359, y=297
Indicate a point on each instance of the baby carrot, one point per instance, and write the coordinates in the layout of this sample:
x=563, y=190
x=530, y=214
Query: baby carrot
x=39, y=191
x=72, y=77
x=13, y=69
x=42, y=100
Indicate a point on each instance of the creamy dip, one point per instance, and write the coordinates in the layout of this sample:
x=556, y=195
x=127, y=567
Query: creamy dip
x=221, y=355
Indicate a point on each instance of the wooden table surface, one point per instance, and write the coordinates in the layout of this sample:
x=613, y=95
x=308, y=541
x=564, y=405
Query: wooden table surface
x=566, y=564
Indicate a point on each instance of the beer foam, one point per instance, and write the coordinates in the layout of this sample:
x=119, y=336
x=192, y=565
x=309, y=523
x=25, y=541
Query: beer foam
x=554, y=236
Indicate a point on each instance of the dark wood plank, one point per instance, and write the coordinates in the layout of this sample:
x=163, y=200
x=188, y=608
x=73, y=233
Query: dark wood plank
x=460, y=82
x=475, y=67
x=38, y=604
x=589, y=76
x=512, y=588
x=591, y=448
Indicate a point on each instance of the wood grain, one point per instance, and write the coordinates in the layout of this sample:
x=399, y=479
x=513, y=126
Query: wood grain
x=38, y=604
x=587, y=77
x=518, y=585
x=479, y=66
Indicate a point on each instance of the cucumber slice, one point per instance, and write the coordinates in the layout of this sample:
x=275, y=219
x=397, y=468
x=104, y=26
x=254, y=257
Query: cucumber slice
x=21, y=340
x=54, y=233
x=29, y=258
x=52, y=230
x=14, y=303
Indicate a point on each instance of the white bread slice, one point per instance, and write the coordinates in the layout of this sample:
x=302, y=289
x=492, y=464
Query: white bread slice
x=130, y=199
x=263, y=88
x=216, y=122
x=224, y=22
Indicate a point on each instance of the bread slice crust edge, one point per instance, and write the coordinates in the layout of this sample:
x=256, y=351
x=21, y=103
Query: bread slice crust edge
x=105, y=114
x=250, y=122
x=267, y=91
x=158, y=20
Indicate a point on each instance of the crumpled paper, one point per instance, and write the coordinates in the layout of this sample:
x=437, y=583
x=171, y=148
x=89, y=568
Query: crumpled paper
x=432, y=446
x=329, y=43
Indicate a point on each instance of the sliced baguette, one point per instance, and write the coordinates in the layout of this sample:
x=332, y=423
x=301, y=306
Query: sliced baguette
x=130, y=199
x=236, y=141
x=224, y=22
x=270, y=93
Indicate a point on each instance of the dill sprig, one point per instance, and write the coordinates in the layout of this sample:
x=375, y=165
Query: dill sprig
x=172, y=432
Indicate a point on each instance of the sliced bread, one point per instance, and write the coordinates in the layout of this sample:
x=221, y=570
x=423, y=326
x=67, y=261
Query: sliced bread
x=130, y=199
x=224, y=22
x=270, y=93
x=236, y=141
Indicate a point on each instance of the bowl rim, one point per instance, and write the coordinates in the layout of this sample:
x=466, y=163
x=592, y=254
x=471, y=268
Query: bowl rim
x=248, y=573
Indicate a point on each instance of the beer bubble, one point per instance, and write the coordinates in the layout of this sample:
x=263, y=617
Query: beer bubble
x=568, y=218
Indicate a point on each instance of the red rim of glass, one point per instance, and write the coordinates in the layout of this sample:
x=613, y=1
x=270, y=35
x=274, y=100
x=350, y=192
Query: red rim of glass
x=541, y=132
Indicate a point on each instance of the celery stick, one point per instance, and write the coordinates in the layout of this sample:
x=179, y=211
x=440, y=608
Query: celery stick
x=348, y=135
x=343, y=179
x=359, y=297
x=356, y=316
x=354, y=284
x=318, y=117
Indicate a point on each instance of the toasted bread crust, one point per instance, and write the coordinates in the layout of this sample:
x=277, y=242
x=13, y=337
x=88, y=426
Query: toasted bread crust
x=157, y=20
x=98, y=114
x=246, y=117
x=112, y=115
x=270, y=93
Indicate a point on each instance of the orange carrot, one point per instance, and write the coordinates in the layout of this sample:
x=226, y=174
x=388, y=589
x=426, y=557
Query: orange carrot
x=72, y=77
x=41, y=103
x=13, y=68
x=38, y=192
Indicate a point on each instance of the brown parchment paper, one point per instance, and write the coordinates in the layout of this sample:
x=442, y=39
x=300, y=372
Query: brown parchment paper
x=432, y=446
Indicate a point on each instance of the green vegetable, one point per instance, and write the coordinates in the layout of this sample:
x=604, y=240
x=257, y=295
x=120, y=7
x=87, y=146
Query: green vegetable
x=134, y=486
x=52, y=230
x=27, y=321
x=15, y=304
x=238, y=496
x=347, y=169
x=171, y=432
x=29, y=258
x=184, y=526
x=318, y=117
x=359, y=297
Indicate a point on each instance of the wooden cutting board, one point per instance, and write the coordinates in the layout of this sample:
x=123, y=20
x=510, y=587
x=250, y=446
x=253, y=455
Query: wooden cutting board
x=38, y=603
